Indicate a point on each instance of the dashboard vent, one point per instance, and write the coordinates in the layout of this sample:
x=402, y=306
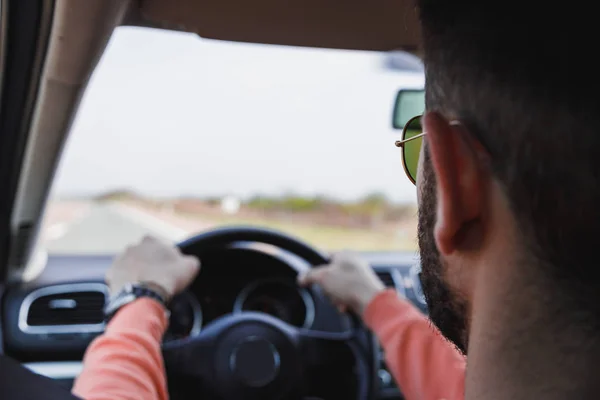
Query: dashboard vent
x=387, y=278
x=64, y=308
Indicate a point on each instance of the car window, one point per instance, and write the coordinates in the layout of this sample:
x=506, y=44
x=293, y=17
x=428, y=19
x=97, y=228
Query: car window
x=177, y=134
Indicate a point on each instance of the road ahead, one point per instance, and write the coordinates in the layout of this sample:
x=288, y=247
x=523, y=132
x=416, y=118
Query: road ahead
x=104, y=229
x=86, y=227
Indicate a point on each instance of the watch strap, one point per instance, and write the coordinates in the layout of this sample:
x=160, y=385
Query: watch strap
x=129, y=294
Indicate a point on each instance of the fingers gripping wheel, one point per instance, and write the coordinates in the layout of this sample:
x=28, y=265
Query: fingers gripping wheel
x=253, y=355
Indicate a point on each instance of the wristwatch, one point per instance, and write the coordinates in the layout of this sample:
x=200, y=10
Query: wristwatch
x=130, y=293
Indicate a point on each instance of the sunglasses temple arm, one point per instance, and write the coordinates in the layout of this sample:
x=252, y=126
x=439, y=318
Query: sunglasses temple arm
x=400, y=143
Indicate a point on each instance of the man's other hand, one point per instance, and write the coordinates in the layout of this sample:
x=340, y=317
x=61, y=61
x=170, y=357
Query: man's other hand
x=154, y=263
x=348, y=281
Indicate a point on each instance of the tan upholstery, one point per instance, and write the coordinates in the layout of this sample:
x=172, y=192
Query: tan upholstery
x=346, y=24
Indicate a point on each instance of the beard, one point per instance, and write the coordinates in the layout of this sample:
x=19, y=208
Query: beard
x=447, y=310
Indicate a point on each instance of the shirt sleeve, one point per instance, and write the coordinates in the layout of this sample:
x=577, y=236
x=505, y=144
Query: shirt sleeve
x=125, y=363
x=424, y=364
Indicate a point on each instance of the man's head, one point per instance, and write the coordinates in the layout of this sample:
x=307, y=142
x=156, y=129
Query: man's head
x=515, y=184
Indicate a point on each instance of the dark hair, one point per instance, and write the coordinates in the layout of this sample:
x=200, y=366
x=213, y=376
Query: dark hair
x=518, y=75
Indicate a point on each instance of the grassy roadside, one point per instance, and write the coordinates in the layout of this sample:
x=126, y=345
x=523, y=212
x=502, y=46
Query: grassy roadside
x=327, y=237
x=397, y=237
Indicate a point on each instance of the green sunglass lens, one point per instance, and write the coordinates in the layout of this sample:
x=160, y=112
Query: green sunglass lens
x=412, y=149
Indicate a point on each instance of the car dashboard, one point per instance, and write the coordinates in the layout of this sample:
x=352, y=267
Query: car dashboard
x=49, y=322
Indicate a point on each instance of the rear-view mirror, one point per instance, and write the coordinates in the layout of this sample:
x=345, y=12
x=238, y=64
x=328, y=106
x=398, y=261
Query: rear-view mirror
x=409, y=103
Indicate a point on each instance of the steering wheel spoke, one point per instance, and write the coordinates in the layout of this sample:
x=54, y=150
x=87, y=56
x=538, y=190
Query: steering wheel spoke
x=317, y=348
x=181, y=357
x=189, y=365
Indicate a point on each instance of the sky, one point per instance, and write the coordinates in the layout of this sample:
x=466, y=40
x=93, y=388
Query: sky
x=171, y=114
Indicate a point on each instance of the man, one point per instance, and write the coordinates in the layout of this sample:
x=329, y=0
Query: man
x=509, y=193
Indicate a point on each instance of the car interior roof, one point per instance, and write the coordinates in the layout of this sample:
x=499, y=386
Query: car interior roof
x=81, y=30
x=351, y=24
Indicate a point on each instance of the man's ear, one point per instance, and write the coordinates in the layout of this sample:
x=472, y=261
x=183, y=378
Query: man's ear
x=459, y=179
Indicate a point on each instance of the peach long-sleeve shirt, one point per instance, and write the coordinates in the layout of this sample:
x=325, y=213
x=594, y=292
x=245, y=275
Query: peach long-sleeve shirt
x=126, y=362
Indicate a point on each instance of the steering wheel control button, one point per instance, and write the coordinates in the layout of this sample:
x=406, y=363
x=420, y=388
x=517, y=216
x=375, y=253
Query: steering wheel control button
x=255, y=361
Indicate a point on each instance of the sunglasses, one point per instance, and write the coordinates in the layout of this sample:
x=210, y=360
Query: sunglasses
x=411, y=142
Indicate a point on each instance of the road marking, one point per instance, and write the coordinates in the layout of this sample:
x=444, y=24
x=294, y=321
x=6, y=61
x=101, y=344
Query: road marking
x=60, y=229
x=150, y=222
x=39, y=258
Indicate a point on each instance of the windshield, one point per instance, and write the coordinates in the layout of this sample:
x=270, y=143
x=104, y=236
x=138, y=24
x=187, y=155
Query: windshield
x=177, y=135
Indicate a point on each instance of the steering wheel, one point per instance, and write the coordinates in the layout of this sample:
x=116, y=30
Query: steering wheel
x=250, y=355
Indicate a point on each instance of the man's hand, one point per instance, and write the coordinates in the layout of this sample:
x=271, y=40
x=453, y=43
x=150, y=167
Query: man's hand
x=348, y=281
x=154, y=263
